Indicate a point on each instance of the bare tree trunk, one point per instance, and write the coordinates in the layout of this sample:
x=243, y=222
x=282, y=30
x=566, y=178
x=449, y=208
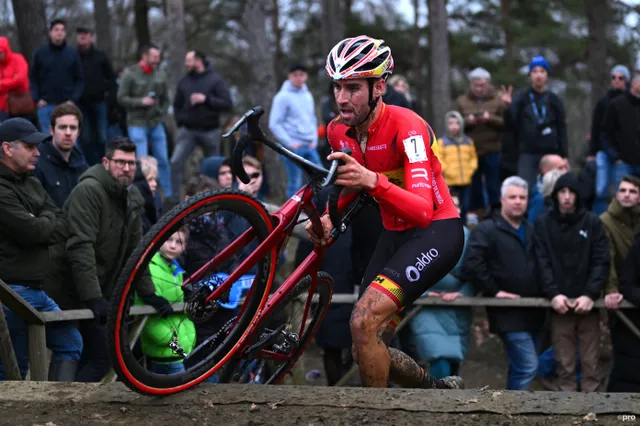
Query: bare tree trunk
x=598, y=14
x=142, y=22
x=333, y=30
x=264, y=86
x=102, y=18
x=440, y=63
x=278, y=56
x=31, y=21
x=178, y=43
x=508, y=37
x=416, y=67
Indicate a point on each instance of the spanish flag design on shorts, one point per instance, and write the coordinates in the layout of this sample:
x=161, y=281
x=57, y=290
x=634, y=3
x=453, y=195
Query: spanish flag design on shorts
x=390, y=288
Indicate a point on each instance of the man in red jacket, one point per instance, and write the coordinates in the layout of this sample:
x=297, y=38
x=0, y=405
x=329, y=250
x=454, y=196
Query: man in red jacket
x=14, y=75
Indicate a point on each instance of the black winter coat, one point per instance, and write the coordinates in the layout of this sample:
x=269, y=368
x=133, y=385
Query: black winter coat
x=572, y=249
x=29, y=223
x=56, y=74
x=530, y=135
x=496, y=259
x=625, y=375
x=595, y=144
x=99, y=78
x=58, y=176
x=204, y=116
x=622, y=127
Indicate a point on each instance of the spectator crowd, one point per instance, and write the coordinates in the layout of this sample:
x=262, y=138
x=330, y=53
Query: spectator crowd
x=86, y=168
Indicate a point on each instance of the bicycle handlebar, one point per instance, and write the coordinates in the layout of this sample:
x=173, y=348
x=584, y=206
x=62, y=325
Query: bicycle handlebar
x=252, y=118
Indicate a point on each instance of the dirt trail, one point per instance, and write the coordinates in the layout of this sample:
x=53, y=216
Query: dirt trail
x=71, y=404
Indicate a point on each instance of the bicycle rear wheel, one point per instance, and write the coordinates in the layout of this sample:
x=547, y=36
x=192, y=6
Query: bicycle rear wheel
x=221, y=220
x=281, y=337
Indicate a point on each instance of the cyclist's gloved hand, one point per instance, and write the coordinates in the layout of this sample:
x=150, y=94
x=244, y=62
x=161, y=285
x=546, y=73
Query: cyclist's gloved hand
x=159, y=303
x=99, y=307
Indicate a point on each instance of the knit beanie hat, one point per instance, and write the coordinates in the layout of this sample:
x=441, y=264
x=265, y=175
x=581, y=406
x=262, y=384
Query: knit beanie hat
x=622, y=70
x=539, y=61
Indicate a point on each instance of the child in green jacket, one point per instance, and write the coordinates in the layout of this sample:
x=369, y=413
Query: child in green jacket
x=167, y=275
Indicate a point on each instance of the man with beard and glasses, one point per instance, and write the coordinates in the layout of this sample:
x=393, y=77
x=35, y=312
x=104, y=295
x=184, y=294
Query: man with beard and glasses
x=201, y=96
x=61, y=163
x=104, y=214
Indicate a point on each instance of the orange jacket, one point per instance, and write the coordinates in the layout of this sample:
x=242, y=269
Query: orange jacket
x=14, y=73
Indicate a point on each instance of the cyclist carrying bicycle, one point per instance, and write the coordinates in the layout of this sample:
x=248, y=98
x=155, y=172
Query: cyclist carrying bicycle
x=422, y=238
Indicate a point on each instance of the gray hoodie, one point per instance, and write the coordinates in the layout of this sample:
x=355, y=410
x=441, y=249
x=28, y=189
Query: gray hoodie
x=293, y=116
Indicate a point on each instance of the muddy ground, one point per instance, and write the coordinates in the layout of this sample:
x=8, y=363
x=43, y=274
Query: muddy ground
x=63, y=404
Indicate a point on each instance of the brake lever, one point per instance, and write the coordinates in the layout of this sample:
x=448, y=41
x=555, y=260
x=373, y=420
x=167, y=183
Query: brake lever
x=257, y=110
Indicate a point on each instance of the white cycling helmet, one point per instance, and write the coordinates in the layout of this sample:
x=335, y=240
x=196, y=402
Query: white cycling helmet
x=359, y=57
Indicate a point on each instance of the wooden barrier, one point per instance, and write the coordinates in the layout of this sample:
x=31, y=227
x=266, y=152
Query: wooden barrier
x=37, y=338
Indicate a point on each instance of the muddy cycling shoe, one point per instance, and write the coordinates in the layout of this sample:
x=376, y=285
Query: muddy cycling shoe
x=453, y=382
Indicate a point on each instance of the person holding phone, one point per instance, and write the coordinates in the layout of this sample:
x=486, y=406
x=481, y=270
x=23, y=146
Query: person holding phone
x=143, y=92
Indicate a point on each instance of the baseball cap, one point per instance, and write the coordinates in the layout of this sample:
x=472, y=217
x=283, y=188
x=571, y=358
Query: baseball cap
x=19, y=129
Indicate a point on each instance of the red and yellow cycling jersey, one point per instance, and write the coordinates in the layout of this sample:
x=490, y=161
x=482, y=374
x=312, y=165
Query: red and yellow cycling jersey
x=411, y=191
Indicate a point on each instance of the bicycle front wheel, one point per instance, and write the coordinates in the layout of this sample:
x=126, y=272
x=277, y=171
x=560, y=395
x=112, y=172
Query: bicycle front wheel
x=219, y=230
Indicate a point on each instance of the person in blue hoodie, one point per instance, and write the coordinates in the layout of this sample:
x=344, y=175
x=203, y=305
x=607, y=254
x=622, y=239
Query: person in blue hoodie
x=61, y=163
x=293, y=121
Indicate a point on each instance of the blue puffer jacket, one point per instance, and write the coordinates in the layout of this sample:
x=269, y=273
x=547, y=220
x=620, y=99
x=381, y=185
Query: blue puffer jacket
x=444, y=332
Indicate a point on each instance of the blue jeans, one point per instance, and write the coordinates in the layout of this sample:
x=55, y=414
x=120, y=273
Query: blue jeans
x=464, y=196
x=63, y=339
x=94, y=132
x=44, y=117
x=114, y=132
x=489, y=167
x=293, y=171
x=142, y=137
x=608, y=171
x=174, y=368
x=440, y=368
x=522, y=358
x=529, y=169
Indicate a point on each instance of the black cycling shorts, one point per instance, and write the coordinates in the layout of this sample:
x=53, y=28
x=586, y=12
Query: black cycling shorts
x=407, y=263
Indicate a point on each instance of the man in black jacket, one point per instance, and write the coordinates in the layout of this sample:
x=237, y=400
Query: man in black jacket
x=29, y=223
x=536, y=119
x=56, y=74
x=622, y=128
x=99, y=79
x=600, y=149
x=201, y=96
x=500, y=261
x=61, y=163
x=573, y=257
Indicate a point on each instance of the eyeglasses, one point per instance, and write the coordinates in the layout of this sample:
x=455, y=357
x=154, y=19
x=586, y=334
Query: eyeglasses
x=122, y=163
x=255, y=175
x=617, y=77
